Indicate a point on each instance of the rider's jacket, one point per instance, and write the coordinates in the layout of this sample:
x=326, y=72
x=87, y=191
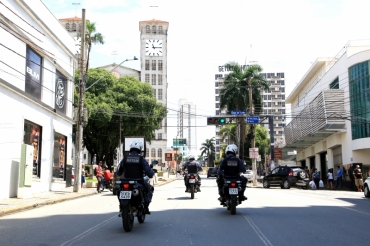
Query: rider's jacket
x=133, y=166
x=231, y=166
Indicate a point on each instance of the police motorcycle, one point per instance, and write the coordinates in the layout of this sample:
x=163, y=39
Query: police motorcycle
x=192, y=180
x=131, y=192
x=232, y=186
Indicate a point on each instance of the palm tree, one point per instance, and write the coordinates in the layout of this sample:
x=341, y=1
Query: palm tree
x=235, y=93
x=207, y=149
x=92, y=37
x=228, y=131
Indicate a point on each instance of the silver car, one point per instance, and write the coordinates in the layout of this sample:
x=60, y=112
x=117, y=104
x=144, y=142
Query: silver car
x=367, y=187
x=249, y=175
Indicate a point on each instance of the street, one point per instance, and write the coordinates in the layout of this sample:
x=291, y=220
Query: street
x=270, y=217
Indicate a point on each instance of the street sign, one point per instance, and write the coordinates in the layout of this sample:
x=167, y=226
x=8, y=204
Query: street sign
x=253, y=153
x=168, y=157
x=238, y=112
x=253, y=120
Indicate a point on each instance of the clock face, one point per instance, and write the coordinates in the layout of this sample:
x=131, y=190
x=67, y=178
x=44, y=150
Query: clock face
x=153, y=47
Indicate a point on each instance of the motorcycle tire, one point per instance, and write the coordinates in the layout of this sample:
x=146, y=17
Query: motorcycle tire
x=127, y=219
x=192, y=191
x=233, y=206
x=141, y=216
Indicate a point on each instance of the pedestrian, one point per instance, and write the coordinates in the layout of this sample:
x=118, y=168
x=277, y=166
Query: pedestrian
x=339, y=178
x=330, y=179
x=368, y=174
x=82, y=175
x=316, y=178
x=358, y=178
x=99, y=175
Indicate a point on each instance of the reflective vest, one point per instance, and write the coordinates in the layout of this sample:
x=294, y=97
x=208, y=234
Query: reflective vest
x=133, y=167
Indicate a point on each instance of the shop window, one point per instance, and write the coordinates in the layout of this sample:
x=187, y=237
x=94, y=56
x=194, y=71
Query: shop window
x=33, y=73
x=32, y=136
x=59, y=156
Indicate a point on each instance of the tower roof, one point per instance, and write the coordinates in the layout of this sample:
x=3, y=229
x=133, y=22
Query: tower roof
x=72, y=18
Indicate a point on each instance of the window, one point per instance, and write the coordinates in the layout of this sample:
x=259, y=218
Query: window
x=334, y=84
x=280, y=75
x=159, y=153
x=152, y=154
x=154, y=65
x=33, y=136
x=160, y=95
x=217, y=91
x=217, y=98
x=154, y=76
x=159, y=136
x=147, y=65
x=68, y=26
x=59, y=156
x=160, y=79
x=147, y=153
x=74, y=27
x=147, y=78
x=160, y=65
x=154, y=93
x=217, y=105
x=154, y=29
x=218, y=76
x=147, y=29
x=160, y=29
x=33, y=73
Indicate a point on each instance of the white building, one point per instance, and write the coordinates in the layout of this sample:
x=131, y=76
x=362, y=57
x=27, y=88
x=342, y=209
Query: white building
x=153, y=58
x=330, y=106
x=186, y=124
x=36, y=94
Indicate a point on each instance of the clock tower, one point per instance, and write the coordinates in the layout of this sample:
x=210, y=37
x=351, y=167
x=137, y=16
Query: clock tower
x=153, y=59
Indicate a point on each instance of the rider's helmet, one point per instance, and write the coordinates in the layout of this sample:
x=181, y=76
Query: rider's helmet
x=136, y=145
x=232, y=148
x=191, y=157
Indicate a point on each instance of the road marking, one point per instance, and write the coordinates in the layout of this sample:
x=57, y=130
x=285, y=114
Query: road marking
x=258, y=231
x=87, y=232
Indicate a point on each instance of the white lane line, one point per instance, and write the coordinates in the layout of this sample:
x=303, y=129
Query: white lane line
x=87, y=232
x=355, y=210
x=258, y=231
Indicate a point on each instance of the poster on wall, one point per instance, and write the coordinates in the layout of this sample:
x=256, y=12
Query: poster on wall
x=33, y=73
x=60, y=93
x=32, y=136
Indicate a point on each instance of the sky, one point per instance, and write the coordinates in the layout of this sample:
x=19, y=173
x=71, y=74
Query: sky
x=282, y=36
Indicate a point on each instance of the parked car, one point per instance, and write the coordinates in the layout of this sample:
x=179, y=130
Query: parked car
x=212, y=172
x=249, y=175
x=367, y=187
x=285, y=177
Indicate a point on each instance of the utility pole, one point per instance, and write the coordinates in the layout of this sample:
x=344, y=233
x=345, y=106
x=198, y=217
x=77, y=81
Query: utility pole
x=254, y=168
x=80, y=119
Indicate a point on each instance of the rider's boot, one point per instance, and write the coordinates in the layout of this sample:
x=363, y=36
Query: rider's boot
x=146, y=208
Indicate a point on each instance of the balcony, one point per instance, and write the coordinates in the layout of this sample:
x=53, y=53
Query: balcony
x=324, y=116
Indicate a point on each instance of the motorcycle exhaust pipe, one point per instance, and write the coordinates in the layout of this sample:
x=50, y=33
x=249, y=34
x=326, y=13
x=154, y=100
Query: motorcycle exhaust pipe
x=135, y=192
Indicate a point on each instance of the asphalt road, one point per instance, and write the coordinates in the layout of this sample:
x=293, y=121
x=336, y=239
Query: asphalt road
x=270, y=217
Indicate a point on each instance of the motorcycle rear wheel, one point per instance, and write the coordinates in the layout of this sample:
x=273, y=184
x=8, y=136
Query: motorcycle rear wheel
x=233, y=206
x=127, y=219
x=192, y=191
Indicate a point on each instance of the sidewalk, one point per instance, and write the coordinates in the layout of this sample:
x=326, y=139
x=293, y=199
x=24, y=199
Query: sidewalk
x=12, y=205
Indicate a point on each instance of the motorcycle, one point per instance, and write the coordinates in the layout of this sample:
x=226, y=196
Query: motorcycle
x=106, y=184
x=231, y=190
x=193, y=183
x=131, y=197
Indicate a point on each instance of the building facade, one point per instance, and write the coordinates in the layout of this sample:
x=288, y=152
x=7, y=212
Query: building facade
x=153, y=58
x=36, y=91
x=330, y=106
x=186, y=124
x=273, y=104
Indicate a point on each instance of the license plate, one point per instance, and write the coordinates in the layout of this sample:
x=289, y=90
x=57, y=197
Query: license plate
x=125, y=195
x=192, y=181
x=233, y=191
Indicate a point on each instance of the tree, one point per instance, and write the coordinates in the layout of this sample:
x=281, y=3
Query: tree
x=91, y=37
x=111, y=102
x=235, y=93
x=208, y=148
x=228, y=131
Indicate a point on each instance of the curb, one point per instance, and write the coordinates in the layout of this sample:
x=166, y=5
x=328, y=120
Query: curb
x=7, y=211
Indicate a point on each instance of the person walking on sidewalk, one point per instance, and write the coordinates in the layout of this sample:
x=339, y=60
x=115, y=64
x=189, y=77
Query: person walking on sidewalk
x=82, y=175
x=339, y=178
x=316, y=178
x=358, y=178
x=330, y=179
x=99, y=175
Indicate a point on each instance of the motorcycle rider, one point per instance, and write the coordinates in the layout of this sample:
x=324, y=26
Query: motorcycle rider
x=192, y=166
x=227, y=169
x=133, y=166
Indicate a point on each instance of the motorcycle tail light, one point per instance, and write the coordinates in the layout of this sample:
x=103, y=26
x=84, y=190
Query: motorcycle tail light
x=191, y=176
x=290, y=173
x=233, y=185
x=126, y=186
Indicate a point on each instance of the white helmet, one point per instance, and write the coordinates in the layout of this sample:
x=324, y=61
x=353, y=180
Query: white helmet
x=191, y=156
x=136, y=144
x=231, y=148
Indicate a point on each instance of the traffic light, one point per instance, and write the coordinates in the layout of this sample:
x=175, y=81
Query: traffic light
x=216, y=120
